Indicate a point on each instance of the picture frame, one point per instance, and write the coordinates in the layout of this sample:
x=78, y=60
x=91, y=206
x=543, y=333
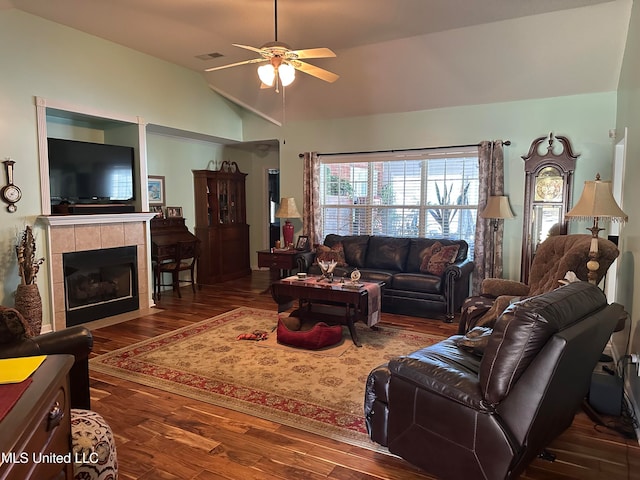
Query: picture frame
x=158, y=210
x=174, y=212
x=155, y=189
x=302, y=243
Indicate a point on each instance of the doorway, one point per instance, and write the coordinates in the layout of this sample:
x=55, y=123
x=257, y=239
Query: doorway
x=273, y=200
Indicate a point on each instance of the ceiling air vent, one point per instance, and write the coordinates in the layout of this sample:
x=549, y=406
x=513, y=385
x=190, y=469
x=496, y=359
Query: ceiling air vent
x=209, y=56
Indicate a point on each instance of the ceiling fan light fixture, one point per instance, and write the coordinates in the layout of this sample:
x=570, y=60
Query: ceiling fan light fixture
x=287, y=74
x=267, y=74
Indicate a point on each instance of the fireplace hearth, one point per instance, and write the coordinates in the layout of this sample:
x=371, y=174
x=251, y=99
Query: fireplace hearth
x=100, y=283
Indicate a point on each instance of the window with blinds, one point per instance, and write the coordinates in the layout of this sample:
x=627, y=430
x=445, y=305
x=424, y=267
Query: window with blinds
x=424, y=193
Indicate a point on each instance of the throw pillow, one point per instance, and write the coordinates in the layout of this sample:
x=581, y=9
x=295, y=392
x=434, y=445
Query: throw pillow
x=13, y=326
x=475, y=340
x=442, y=259
x=428, y=253
x=326, y=254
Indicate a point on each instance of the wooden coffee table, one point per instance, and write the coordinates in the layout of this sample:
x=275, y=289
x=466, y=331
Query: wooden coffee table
x=354, y=300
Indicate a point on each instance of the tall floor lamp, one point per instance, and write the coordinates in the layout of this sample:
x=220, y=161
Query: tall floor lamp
x=288, y=210
x=596, y=203
x=497, y=209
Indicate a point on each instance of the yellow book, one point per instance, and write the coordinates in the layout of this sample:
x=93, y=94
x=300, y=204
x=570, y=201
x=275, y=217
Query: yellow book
x=16, y=370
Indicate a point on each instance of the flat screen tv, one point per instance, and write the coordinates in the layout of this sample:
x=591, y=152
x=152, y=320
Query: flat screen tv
x=84, y=172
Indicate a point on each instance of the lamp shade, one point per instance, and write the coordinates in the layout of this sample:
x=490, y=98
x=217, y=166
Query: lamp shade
x=597, y=201
x=497, y=207
x=288, y=208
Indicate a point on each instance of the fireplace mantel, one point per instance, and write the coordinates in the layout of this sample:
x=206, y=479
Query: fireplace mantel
x=60, y=220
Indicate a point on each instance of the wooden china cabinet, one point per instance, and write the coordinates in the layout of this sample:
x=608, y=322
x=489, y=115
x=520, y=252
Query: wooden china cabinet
x=221, y=223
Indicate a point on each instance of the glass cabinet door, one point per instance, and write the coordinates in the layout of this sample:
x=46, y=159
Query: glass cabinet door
x=547, y=209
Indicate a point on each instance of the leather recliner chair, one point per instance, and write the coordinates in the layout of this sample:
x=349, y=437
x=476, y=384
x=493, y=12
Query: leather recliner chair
x=464, y=408
x=76, y=341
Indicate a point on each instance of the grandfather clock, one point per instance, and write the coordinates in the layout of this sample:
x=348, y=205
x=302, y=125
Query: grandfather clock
x=547, y=195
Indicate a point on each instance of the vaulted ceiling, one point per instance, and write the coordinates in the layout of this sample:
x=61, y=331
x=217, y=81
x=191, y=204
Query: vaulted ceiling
x=392, y=55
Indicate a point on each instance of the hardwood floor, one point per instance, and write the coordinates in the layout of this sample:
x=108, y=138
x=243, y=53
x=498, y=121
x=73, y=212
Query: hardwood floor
x=160, y=436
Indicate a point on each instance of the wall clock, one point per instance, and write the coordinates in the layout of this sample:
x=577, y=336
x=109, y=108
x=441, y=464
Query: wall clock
x=10, y=193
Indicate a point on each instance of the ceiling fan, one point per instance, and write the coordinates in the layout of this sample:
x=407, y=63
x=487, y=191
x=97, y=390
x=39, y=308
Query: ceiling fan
x=280, y=62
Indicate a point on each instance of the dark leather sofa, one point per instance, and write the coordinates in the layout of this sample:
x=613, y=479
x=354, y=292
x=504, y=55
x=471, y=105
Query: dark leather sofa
x=484, y=412
x=76, y=341
x=396, y=262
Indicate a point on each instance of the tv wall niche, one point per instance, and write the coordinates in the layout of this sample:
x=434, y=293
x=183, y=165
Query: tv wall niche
x=98, y=129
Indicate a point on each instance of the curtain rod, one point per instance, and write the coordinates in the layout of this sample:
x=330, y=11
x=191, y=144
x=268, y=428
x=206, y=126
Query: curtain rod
x=505, y=142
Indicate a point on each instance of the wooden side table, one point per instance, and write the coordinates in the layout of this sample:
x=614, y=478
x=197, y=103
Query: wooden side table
x=40, y=424
x=281, y=263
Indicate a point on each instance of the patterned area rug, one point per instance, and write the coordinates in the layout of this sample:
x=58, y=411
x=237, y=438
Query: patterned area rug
x=206, y=362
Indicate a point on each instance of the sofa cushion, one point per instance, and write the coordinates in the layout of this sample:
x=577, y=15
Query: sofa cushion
x=443, y=368
x=371, y=275
x=355, y=247
x=327, y=254
x=417, y=282
x=387, y=253
x=523, y=330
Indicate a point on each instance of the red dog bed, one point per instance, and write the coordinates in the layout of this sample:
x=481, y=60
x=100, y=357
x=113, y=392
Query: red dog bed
x=319, y=336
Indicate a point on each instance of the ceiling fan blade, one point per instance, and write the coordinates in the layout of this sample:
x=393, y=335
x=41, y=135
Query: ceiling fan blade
x=311, y=53
x=253, y=60
x=247, y=47
x=318, y=72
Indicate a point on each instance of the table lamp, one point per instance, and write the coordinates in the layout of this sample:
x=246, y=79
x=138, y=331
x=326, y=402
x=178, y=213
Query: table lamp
x=286, y=210
x=596, y=202
x=497, y=209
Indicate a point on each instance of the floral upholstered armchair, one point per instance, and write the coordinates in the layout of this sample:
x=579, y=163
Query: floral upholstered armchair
x=554, y=258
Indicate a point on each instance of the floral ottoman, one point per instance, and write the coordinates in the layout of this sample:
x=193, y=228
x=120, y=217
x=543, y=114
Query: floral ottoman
x=93, y=447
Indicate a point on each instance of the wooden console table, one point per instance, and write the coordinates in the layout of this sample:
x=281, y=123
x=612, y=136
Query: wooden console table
x=281, y=262
x=40, y=423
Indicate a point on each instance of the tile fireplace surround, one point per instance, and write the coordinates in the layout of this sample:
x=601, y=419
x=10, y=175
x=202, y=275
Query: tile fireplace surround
x=76, y=233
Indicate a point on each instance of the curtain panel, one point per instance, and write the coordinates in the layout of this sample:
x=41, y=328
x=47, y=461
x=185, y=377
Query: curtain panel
x=311, y=216
x=491, y=175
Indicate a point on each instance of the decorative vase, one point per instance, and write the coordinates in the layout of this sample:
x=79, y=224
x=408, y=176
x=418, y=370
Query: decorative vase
x=29, y=304
x=287, y=233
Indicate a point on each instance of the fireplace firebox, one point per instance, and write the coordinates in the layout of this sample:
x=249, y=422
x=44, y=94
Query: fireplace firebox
x=100, y=283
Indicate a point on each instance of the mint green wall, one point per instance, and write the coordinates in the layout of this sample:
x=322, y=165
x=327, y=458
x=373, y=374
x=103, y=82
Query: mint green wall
x=42, y=58
x=629, y=117
x=174, y=158
x=585, y=119
x=256, y=164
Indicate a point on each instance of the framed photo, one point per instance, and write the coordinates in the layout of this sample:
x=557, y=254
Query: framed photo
x=157, y=209
x=302, y=243
x=155, y=189
x=174, y=212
